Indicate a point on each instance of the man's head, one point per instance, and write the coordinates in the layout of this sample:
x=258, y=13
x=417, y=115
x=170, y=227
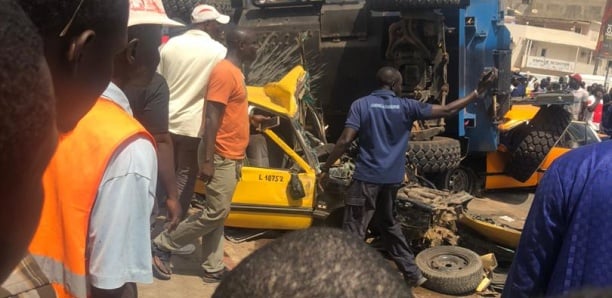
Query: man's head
x=598, y=91
x=242, y=42
x=135, y=64
x=575, y=81
x=317, y=262
x=28, y=132
x=208, y=19
x=390, y=78
x=81, y=39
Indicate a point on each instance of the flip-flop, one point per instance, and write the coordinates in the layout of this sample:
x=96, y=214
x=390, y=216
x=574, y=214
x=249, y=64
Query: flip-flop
x=161, y=264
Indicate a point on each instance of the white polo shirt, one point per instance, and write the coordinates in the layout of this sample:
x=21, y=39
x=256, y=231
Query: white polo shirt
x=186, y=63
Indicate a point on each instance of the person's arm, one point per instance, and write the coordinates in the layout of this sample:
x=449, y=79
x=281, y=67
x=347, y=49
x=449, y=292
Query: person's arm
x=439, y=111
x=167, y=177
x=206, y=150
x=540, y=241
x=348, y=135
x=151, y=110
x=119, y=235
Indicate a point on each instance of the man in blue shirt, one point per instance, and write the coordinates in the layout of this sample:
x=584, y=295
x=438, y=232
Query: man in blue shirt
x=382, y=121
x=567, y=238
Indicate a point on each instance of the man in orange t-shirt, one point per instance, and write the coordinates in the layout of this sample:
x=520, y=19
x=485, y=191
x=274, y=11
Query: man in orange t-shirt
x=225, y=136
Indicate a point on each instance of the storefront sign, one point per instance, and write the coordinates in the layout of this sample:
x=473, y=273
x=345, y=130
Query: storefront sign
x=550, y=64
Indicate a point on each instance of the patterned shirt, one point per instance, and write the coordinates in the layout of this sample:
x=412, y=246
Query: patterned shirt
x=566, y=244
x=27, y=280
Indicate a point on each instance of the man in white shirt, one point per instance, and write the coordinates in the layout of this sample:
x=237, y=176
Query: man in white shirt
x=581, y=97
x=127, y=191
x=186, y=63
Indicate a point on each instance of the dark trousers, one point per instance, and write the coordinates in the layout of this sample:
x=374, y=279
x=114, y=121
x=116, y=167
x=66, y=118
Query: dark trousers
x=186, y=163
x=365, y=201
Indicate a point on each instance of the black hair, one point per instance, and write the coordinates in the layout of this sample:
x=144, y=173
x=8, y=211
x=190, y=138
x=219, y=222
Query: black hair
x=317, y=262
x=26, y=105
x=51, y=16
x=387, y=76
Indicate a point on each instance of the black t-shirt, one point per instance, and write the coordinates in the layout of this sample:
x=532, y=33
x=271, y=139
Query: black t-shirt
x=150, y=105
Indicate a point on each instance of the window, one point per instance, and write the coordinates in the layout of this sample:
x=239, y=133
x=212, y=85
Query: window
x=573, y=12
x=526, y=1
x=543, y=52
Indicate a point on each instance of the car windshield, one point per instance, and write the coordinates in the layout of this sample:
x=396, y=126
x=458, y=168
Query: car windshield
x=577, y=134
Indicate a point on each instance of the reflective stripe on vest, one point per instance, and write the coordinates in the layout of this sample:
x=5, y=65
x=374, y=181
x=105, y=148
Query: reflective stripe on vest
x=71, y=184
x=74, y=284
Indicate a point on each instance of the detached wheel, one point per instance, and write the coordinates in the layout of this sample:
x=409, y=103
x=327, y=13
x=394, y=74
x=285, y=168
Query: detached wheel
x=457, y=180
x=450, y=270
x=435, y=156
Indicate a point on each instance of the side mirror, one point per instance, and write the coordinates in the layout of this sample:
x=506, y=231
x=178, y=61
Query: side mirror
x=269, y=123
x=295, y=187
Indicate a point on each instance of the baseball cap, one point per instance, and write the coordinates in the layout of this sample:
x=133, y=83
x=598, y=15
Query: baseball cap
x=149, y=12
x=203, y=13
x=577, y=77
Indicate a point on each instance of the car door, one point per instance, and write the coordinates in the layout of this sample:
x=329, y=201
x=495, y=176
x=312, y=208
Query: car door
x=263, y=198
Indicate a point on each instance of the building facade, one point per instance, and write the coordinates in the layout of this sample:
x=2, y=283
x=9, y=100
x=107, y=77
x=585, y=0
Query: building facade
x=556, y=38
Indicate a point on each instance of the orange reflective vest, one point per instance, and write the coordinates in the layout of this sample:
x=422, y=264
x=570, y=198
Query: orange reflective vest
x=71, y=184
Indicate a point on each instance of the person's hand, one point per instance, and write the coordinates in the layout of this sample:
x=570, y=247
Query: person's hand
x=174, y=213
x=322, y=180
x=487, y=80
x=257, y=119
x=207, y=170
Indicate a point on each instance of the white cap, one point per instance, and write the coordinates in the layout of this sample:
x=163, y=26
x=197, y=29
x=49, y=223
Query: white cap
x=203, y=13
x=149, y=12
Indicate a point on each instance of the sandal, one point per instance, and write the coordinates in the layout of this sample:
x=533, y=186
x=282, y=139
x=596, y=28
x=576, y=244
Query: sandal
x=161, y=263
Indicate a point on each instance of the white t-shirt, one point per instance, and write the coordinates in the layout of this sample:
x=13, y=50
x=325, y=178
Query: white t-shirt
x=580, y=97
x=186, y=63
x=119, y=236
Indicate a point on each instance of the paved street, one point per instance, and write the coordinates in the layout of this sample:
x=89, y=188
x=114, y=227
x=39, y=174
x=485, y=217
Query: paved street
x=186, y=281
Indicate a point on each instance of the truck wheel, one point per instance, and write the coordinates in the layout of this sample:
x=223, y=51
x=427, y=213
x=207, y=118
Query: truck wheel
x=387, y=5
x=435, y=156
x=530, y=154
x=545, y=129
x=457, y=179
x=182, y=8
x=450, y=270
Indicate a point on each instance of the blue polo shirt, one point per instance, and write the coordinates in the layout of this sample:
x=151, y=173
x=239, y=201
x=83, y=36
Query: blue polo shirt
x=383, y=122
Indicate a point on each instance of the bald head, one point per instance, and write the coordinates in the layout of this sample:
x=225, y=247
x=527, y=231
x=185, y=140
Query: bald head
x=389, y=78
x=241, y=43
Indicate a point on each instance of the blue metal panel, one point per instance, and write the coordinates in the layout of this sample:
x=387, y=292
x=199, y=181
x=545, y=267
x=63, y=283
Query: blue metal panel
x=481, y=34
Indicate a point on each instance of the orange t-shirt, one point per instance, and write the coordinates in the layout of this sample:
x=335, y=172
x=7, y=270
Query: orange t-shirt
x=226, y=86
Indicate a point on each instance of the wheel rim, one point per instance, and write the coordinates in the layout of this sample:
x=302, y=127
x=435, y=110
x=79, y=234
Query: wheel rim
x=458, y=180
x=448, y=263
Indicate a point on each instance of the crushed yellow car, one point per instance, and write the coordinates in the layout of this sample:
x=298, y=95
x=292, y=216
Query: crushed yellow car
x=263, y=198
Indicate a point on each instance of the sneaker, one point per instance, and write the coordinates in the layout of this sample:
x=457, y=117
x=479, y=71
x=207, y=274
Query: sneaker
x=185, y=250
x=161, y=263
x=214, y=277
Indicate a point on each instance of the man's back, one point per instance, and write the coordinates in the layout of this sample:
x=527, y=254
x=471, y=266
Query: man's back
x=384, y=122
x=567, y=237
x=186, y=63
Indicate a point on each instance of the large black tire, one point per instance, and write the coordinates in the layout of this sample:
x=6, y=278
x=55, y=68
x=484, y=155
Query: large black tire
x=544, y=130
x=450, y=270
x=435, y=156
x=458, y=179
x=406, y=4
x=181, y=9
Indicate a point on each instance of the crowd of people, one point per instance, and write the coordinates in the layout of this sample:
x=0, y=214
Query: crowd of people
x=100, y=128
x=103, y=127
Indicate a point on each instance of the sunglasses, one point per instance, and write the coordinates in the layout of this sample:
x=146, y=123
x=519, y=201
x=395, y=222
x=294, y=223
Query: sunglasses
x=67, y=27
